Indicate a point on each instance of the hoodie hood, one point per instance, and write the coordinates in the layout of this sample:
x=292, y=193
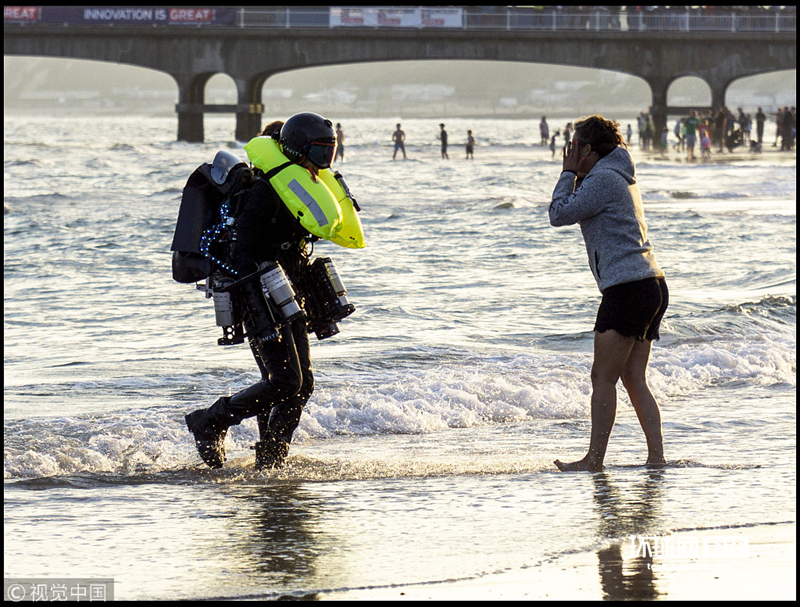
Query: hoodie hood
x=619, y=161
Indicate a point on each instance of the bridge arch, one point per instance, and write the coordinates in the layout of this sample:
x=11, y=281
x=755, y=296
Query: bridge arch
x=680, y=92
x=125, y=85
x=766, y=99
x=221, y=88
x=523, y=80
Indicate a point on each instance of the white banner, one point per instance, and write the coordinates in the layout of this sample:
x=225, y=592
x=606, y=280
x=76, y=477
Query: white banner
x=357, y=16
x=353, y=16
x=399, y=17
x=442, y=17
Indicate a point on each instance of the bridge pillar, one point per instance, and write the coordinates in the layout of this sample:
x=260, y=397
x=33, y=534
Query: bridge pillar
x=190, y=124
x=249, y=109
x=248, y=121
x=190, y=108
x=190, y=119
x=718, y=96
x=658, y=111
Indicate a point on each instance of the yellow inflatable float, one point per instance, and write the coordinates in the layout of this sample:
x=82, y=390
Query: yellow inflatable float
x=324, y=206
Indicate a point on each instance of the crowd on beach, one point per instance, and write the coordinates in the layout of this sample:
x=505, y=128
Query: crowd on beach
x=721, y=129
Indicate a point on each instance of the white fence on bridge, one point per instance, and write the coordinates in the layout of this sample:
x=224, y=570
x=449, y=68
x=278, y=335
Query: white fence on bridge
x=678, y=19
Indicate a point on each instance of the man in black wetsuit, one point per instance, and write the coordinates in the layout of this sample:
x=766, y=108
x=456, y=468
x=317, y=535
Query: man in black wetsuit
x=266, y=230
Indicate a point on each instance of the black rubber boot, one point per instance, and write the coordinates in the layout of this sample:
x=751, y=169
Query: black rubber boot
x=271, y=453
x=209, y=433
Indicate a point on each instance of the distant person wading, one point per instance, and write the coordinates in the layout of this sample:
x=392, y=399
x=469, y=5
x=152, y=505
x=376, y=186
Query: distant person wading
x=399, y=138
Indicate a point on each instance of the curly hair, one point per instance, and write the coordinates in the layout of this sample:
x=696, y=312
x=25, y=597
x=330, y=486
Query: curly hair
x=602, y=134
x=273, y=129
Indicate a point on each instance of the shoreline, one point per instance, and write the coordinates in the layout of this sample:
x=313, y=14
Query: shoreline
x=717, y=157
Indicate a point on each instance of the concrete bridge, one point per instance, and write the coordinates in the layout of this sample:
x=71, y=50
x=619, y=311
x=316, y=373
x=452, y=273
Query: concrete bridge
x=250, y=54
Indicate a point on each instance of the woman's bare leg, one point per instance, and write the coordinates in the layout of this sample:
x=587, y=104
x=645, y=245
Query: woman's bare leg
x=611, y=352
x=634, y=378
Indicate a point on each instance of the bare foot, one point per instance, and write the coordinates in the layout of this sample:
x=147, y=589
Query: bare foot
x=578, y=466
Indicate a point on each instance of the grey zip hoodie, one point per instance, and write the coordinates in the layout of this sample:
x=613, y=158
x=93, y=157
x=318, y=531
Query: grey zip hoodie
x=608, y=207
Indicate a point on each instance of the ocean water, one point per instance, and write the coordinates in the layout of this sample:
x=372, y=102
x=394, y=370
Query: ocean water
x=425, y=454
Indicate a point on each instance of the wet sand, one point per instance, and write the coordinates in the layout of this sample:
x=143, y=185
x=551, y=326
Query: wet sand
x=769, y=572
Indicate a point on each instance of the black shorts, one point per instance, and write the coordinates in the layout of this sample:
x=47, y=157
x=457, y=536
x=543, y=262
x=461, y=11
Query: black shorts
x=634, y=309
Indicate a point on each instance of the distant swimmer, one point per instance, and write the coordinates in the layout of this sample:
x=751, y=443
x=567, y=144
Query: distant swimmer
x=339, y=142
x=443, y=139
x=399, y=138
x=598, y=190
x=556, y=135
x=470, y=145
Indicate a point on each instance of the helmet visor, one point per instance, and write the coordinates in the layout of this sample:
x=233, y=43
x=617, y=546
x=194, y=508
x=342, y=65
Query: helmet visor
x=321, y=154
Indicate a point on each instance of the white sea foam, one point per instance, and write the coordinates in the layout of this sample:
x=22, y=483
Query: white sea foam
x=497, y=391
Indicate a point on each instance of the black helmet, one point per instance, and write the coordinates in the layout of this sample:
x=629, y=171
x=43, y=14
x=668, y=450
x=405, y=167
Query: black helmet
x=309, y=136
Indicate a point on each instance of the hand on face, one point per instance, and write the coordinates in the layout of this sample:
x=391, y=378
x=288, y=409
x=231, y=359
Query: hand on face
x=578, y=159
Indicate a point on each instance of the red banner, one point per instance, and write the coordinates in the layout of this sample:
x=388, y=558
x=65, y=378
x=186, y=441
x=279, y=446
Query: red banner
x=21, y=13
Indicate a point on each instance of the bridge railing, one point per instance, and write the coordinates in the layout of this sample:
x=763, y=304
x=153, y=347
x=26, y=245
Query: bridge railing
x=681, y=19
x=545, y=18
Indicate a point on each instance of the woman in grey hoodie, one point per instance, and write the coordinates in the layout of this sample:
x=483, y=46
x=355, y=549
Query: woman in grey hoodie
x=598, y=190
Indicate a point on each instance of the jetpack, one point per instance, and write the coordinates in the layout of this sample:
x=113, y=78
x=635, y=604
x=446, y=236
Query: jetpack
x=205, y=228
x=208, y=206
x=269, y=299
